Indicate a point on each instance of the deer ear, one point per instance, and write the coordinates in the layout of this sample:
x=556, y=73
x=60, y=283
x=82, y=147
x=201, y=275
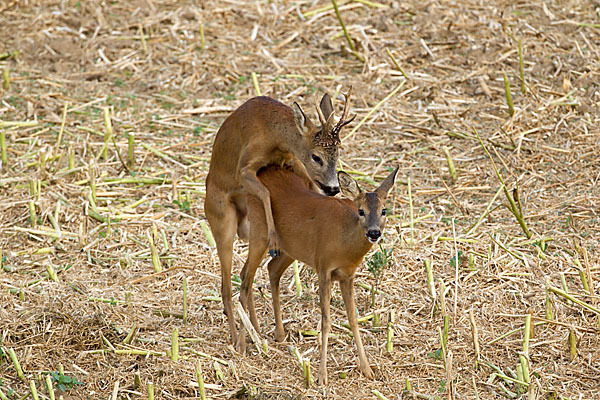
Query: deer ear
x=348, y=186
x=388, y=182
x=326, y=106
x=300, y=119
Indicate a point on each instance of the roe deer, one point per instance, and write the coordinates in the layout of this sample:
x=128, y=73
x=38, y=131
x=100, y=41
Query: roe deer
x=330, y=234
x=265, y=132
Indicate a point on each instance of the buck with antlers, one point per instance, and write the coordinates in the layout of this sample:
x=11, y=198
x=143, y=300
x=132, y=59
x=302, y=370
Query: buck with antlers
x=330, y=234
x=259, y=133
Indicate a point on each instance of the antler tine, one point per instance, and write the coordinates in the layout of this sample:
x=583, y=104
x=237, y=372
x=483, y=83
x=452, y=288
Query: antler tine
x=346, y=105
x=321, y=116
x=335, y=132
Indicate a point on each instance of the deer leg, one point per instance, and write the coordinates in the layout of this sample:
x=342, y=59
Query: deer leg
x=222, y=218
x=254, y=187
x=256, y=251
x=347, y=288
x=325, y=300
x=299, y=169
x=277, y=267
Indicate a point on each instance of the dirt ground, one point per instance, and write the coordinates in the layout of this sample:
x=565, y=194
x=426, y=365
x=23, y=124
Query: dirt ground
x=167, y=73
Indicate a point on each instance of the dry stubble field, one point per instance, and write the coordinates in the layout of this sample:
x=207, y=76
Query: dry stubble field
x=69, y=204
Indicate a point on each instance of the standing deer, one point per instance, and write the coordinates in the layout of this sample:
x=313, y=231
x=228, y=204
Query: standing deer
x=330, y=234
x=259, y=133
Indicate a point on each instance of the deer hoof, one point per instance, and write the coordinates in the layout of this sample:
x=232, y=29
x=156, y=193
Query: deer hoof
x=322, y=379
x=367, y=372
x=274, y=253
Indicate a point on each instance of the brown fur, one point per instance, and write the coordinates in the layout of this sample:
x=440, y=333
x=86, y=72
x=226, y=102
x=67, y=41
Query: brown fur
x=259, y=133
x=324, y=232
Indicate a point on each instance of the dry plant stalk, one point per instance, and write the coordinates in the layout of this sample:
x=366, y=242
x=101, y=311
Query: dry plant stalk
x=509, y=100
x=513, y=207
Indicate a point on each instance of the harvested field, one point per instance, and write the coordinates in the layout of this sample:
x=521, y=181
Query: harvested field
x=96, y=242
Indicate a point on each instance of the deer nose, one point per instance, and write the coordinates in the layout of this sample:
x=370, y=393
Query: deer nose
x=373, y=235
x=331, y=190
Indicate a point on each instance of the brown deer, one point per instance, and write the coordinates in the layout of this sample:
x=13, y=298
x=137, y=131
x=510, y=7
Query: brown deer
x=330, y=234
x=259, y=133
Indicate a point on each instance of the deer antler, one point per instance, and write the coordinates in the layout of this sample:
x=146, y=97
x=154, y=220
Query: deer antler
x=330, y=131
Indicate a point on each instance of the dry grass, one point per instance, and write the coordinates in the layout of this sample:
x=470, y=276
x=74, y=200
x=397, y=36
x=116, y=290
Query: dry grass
x=170, y=87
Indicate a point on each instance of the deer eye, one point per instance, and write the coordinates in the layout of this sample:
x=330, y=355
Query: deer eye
x=317, y=159
x=361, y=212
x=384, y=211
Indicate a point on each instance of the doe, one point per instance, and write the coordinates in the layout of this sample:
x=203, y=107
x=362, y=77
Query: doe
x=330, y=234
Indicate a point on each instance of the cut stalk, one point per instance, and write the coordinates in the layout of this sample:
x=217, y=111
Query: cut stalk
x=207, y=233
x=378, y=394
x=3, y=396
x=255, y=83
x=6, y=78
x=150, y=391
x=155, y=258
x=524, y=357
x=15, y=361
x=108, y=133
x=572, y=344
x=520, y=378
x=451, y=167
x=92, y=179
x=71, y=158
x=62, y=127
x=389, y=344
x=200, y=380
x=475, y=336
x=218, y=371
x=442, y=297
x=549, y=311
x=34, y=393
x=128, y=339
x=52, y=272
x=430, y=282
x=3, y=147
x=49, y=387
x=297, y=281
x=445, y=331
x=130, y=151
x=563, y=283
x=143, y=39
x=202, y=40
x=308, y=379
x=509, y=100
x=32, y=214
x=175, y=344
x=442, y=346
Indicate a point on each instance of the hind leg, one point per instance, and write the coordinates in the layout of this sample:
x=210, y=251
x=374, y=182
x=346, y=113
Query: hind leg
x=222, y=217
x=277, y=267
x=256, y=251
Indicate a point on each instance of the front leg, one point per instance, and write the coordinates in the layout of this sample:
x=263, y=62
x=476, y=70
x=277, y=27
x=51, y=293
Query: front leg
x=253, y=186
x=347, y=288
x=299, y=169
x=325, y=299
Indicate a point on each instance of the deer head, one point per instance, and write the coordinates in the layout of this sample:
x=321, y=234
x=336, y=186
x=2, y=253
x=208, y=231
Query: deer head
x=320, y=153
x=371, y=205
